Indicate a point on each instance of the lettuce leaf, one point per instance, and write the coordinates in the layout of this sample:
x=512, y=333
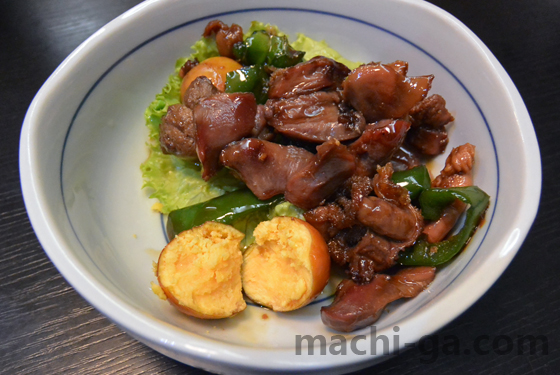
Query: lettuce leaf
x=314, y=48
x=176, y=183
x=203, y=49
x=286, y=209
x=261, y=26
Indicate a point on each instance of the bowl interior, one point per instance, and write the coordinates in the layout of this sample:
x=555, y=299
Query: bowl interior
x=91, y=195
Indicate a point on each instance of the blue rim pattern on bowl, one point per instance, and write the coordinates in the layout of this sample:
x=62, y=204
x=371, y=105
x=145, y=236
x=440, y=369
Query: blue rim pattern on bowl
x=217, y=15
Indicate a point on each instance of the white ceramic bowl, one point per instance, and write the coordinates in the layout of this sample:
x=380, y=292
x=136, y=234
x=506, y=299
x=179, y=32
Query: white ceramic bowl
x=83, y=141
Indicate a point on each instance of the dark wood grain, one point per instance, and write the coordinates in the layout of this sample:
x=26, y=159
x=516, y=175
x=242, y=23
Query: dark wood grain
x=46, y=327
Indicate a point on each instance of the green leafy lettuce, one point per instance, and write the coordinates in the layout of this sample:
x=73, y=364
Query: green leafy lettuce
x=314, y=48
x=286, y=209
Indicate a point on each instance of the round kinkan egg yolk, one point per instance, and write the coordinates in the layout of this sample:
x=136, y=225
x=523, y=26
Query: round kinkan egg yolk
x=215, y=68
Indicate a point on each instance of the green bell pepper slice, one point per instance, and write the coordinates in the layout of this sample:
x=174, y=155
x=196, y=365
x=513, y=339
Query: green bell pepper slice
x=281, y=54
x=433, y=201
x=415, y=180
x=263, y=48
x=254, y=50
x=249, y=79
x=232, y=208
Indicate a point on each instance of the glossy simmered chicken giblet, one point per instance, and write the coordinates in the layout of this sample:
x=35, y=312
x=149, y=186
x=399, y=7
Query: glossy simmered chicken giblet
x=378, y=144
x=428, y=134
x=319, y=73
x=265, y=167
x=390, y=213
x=404, y=159
x=388, y=219
x=329, y=219
x=177, y=132
x=458, y=168
x=431, y=113
x=306, y=179
x=200, y=88
x=371, y=254
x=177, y=128
x=321, y=176
x=356, y=306
x=226, y=36
x=220, y=120
x=456, y=173
x=366, y=233
x=381, y=91
x=334, y=217
x=315, y=117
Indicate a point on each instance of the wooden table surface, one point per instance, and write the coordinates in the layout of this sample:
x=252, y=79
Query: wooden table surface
x=47, y=328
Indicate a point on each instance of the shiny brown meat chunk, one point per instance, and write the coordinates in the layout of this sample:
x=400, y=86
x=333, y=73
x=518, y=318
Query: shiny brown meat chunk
x=436, y=231
x=314, y=118
x=319, y=73
x=341, y=214
x=360, y=188
x=265, y=167
x=177, y=132
x=221, y=119
x=345, y=239
x=385, y=188
x=458, y=168
x=388, y=219
x=456, y=173
x=321, y=176
x=387, y=223
x=372, y=254
x=399, y=66
x=431, y=113
x=406, y=223
x=404, y=159
x=261, y=129
x=226, y=36
x=428, y=135
x=329, y=219
x=426, y=141
x=356, y=306
x=200, y=88
x=377, y=144
x=365, y=239
x=381, y=92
